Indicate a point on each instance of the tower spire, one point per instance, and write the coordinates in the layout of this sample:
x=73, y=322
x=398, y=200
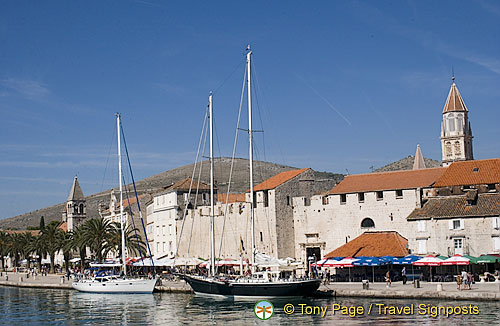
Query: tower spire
x=419, y=162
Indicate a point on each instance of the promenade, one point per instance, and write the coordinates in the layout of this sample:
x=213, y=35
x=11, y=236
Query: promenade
x=480, y=291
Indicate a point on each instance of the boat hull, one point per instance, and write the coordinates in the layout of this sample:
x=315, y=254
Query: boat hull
x=116, y=286
x=252, y=289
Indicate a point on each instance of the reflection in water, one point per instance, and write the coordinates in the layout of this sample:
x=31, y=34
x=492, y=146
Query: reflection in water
x=62, y=307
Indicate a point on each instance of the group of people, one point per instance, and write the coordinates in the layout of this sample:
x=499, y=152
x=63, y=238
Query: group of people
x=466, y=279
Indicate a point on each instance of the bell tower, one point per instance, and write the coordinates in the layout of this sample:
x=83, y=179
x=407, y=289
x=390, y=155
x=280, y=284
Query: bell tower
x=76, y=207
x=456, y=132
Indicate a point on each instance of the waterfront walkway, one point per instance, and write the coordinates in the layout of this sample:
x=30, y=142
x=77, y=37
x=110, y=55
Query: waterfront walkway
x=480, y=291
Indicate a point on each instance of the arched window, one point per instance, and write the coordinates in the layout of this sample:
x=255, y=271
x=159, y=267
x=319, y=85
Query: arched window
x=451, y=122
x=447, y=149
x=81, y=208
x=458, y=150
x=367, y=223
x=460, y=122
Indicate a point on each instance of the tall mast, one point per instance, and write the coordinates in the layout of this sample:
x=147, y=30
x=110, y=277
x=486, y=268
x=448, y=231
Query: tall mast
x=212, y=227
x=118, y=129
x=250, y=156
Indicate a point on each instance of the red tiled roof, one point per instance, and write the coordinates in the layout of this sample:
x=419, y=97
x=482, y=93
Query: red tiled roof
x=408, y=179
x=376, y=244
x=233, y=198
x=278, y=179
x=457, y=206
x=63, y=226
x=470, y=173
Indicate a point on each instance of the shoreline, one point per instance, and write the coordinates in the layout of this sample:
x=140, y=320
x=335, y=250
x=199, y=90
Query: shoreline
x=480, y=292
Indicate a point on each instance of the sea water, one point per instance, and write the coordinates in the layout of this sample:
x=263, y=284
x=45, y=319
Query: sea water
x=23, y=306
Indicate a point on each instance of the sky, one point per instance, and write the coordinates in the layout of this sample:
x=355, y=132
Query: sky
x=338, y=85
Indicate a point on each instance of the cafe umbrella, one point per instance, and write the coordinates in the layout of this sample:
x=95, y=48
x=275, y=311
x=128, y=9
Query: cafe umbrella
x=429, y=261
x=370, y=261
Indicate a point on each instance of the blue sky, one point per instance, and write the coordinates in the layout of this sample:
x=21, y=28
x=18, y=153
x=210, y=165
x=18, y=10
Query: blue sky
x=340, y=84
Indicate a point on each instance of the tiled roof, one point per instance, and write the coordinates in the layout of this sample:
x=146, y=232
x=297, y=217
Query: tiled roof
x=233, y=198
x=278, y=179
x=132, y=200
x=185, y=183
x=408, y=179
x=470, y=173
x=75, y=192
x=457, y=206
x=454, y=102
x=63, y=226
x=376, y=244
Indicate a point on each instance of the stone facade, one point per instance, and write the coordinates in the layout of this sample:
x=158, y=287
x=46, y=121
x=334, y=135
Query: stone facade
x=75, y=211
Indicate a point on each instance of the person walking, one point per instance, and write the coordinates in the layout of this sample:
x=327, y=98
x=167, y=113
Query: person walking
x=459, y=282
x=388, y=279
x=403, y=274
x=464, y=279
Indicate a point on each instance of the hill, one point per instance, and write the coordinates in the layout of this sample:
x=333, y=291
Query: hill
x=407, y=164
x=150, y=185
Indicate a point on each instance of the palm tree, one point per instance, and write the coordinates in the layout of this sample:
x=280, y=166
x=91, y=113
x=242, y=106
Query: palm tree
x=39, y=246
x=15, y=248
x=4, y=246
x=51, y=235
x=27, y=239
x=79, y=243
x=96, y=233
x=133, y=247
x=67, y=245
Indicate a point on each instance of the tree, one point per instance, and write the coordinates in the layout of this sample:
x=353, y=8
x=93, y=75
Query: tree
x=15, y=247
x=133, y=246
x=66, y=244
x=26, y=240
x=39, y=246
x=51, y=235
x=96, y=233
x=80, y=244
x=4, y=246
x=42, y=223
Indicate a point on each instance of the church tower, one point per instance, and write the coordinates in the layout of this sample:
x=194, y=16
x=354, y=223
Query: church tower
x=456, y=133
x=75, y=211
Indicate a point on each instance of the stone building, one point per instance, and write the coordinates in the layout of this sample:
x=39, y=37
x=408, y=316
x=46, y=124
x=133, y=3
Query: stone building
x=273, y=215
x=364, y=202
x=75, y=210
x=168, y=207
x=464, y=215
x=456, y=132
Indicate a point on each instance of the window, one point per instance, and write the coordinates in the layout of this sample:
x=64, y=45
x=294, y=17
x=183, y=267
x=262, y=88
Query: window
x=367, y=223
x=266, y=198
x=447, y=147
x=164, y=247
x=491, y=187
x=496, y=222
x=496, y=243
x=288, y=200
x=361, y=197
x=456, y=224
x=458, y=149
x=399, y=194
x=324, y=200
x=451, y=122
x=170, y=246
x=343, y=199
x=421, y=226
x=422, y=246
x=186, y=197
x=380, y=195
x=81, y=208
x=458, y=245
x=261, y=239
x=157, y=230
x=157, y=247
x=163, y=230
x=460, y=122
x=170, y=229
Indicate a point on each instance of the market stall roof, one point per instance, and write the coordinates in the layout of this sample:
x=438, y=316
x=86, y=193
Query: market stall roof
x=373, y=244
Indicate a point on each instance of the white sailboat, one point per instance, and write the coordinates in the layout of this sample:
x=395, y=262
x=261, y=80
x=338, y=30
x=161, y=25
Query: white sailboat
x=261, y=284
x=114, y=283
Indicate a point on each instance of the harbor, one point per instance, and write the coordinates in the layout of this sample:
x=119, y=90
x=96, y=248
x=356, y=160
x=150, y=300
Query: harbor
x=487, y=291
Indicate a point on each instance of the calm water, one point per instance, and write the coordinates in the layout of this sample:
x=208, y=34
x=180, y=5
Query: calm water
x=20, y=306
